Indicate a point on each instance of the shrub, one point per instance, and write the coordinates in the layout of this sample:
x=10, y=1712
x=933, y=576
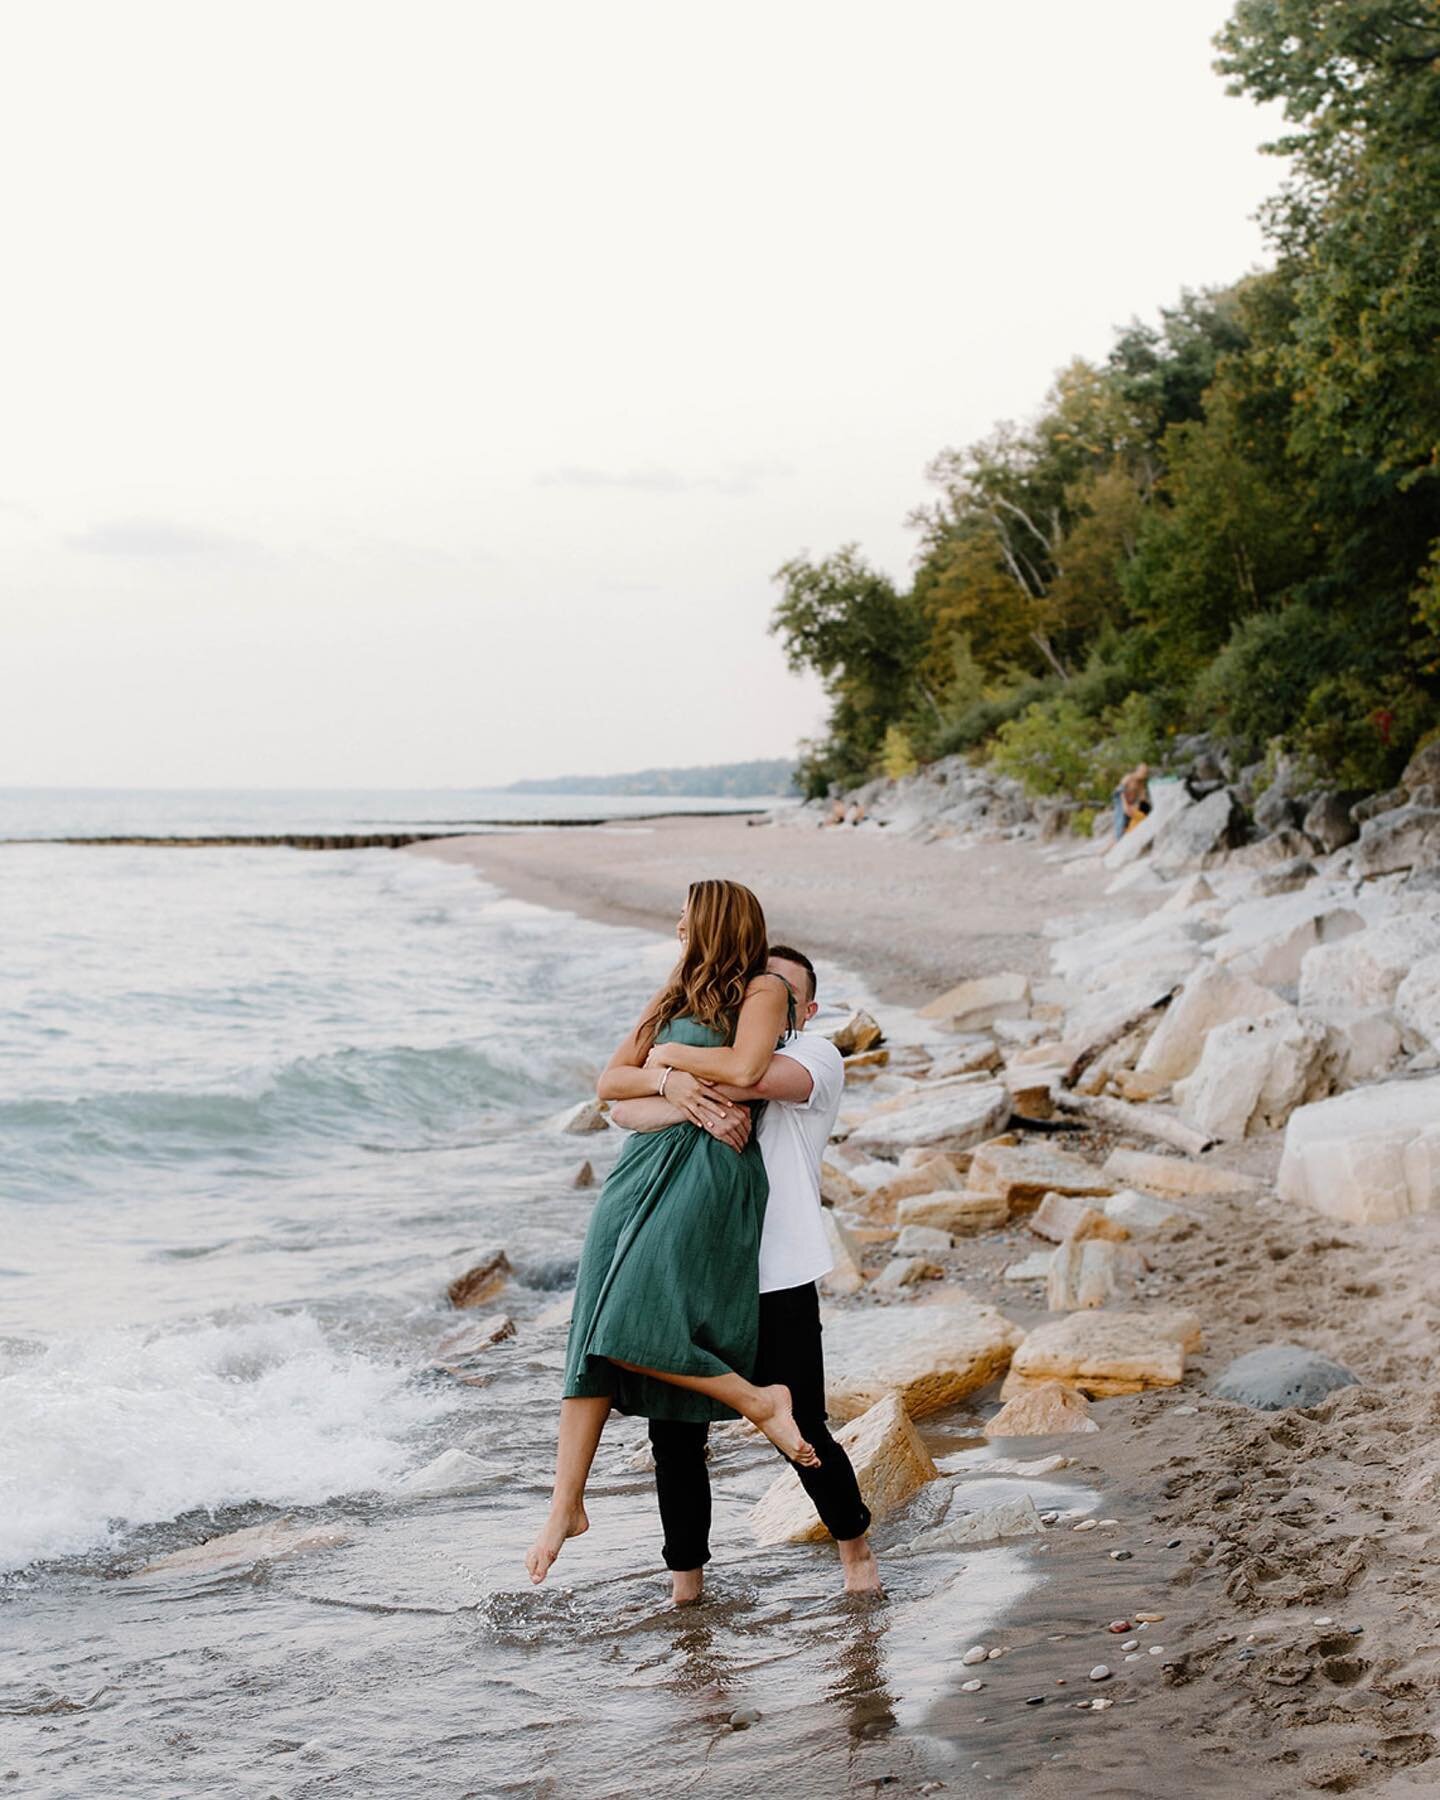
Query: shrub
x=1257, y=686
x=897, y=755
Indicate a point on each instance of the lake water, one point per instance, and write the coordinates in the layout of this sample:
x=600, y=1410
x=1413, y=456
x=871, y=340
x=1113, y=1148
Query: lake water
x=256, y=1108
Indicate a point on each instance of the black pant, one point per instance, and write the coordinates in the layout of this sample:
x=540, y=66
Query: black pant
x=789, y=1352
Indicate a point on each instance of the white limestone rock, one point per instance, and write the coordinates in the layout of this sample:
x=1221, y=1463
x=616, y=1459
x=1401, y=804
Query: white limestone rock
x=975, y=1005
x=931, y=1354
x=1159, y=1174
x=1269, y=939
x=452, y=1472
x=275, y=1542
x=845, y=1276
x=986, y=1525
x=1167, y=800
x=890, y=1464
x=1022, y=1172
x=951, y=1118
x=1086, y=1273
x=916, y=1240
x=1145, y=1215
x=960, y=1214
x=1253, y=1073
x=1363, y=972
x=1370, y=1156
x=1107, y=1352
x=1042, y=1410
x=1212, y=996
x=1417, y=1003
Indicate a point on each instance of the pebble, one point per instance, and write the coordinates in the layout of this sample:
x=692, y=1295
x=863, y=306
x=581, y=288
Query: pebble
x=1324, y=1619
x=1134, y=1656
x=1100, y=1673
x=1157, y=1649
x=1049, y=1518
x=1118, y=1625
x=1087, y=1525
x=744, y=1717
x=1100, y=1705
x=975, y=1654
x=1184, y=1412
x=996, y=1654
x=1121, y=1555
x=971, y=1687
x=1109, y=1521
x=1131, y=1644
x=1148, y=1618
x=1036, y=1700
x=1174, y=1543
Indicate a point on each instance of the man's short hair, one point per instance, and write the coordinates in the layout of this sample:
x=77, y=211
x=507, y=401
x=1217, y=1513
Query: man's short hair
x=786, y=954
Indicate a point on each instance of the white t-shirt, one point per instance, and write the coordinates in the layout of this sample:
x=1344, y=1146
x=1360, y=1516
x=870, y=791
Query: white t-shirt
x=794, y=1248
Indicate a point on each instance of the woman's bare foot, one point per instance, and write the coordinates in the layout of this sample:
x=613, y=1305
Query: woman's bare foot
x=558, y=1527
x=686, y=1586
x=777, y=1421
x=862, y=1572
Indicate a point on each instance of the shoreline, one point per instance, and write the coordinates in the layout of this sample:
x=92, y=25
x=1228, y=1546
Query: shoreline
x=1283, y=1555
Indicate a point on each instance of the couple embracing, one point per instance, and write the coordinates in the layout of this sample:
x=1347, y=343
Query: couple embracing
x=696, y=1294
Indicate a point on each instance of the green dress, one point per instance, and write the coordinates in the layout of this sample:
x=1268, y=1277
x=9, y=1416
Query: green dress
x=669, y=1276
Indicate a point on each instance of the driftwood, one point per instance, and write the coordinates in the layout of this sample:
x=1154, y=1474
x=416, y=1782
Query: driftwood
x=1098, y=1046
x=1144, y=1121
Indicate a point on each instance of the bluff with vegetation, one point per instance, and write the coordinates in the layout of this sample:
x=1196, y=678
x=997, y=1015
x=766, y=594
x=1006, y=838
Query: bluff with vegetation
x=1232, y=524
x=741, y=781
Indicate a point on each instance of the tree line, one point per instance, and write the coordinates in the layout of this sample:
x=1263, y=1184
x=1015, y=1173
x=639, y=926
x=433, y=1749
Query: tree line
x=1232, y=523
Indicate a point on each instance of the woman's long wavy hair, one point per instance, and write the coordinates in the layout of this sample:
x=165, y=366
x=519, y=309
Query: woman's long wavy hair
x=723, y=952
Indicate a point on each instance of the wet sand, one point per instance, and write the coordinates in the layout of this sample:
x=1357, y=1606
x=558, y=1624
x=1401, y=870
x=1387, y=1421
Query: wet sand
x=1294, y=1556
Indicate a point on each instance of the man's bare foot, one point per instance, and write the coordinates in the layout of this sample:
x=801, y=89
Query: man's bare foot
x=686, y=1586
x=777, y=1421
x=558, y=1527
x=862, y=1572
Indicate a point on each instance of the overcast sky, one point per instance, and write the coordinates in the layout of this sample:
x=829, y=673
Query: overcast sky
x=424, y=393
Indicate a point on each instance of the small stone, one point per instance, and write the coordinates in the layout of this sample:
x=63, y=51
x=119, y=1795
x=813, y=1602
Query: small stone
x=975, y=1654
x=1036, y=1700
x=1184, y=1412
x=1174, y=1543
x=744, y=1717
x=584, y=1176
x=995, y=1654
x=1100, y=1705
x=1134, y=1656
x=1324, y=1619
x=971, y=1687
x=1148, y=1618
x=1157, y=1649
x=1109, y=1521
x=1118, y=1625
x=1121, y=1555
x=1049, y=1518
x=1086, y=1525
x=1131, y=1644
x=1100, y=1672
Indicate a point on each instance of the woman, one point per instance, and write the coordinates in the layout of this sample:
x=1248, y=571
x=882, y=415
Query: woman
x=667, y=1300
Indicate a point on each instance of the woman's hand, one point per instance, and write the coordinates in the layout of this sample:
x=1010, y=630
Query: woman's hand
x=660, y=1057
x=700, y=1104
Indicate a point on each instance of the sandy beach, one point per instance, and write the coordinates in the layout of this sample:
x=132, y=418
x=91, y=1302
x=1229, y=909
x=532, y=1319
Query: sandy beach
x=1289, y=1559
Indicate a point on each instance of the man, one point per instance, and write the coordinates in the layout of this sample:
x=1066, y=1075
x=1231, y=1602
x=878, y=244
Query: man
x=803, y=1086
x=1132, y=799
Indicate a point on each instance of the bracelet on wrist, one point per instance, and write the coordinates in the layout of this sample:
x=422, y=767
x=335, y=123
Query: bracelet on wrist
x=660, y=1091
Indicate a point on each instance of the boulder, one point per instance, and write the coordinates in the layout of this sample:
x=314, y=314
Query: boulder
x=1023, y=1173
x=1161, y=1174
x=556, y=1313
x=1139, y=1088
x=1407, y=838
x=1374, y=804
x=986, y=1525
x=916, y=1240
x=890, y=1463
x=952, y=1118
x=1252, y=1075
x=584, y=1176
x=960, y=1214
x=588, y=1116
x=976, y=1055
x=1417, y=1003
x=836, y=1187
x=1061, y=1216
x=867, y=1065
x=1280, y=1375
x=280, y=1539
x=452, y=1472
x=857, y=1033
x=1042, y=1411
x=1276, y=809
x=481, y=1283
x=1363, y=972
x=1199, y=835
x=1328, y=821
x=1423, y=768
x=1194, y=890
x=905, y=1271
x=1107, y=1352
x=974, y=1005
x=930, y=1355
x=845, y=1276
x=1267, y=939
x=1212, y=996
x=1361, y=1048
x=1035, y=1267
x=1286, y=877
x=1144, y=1215
x=1274, y=852
x=1370, y=1156
x=1090, y=1272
